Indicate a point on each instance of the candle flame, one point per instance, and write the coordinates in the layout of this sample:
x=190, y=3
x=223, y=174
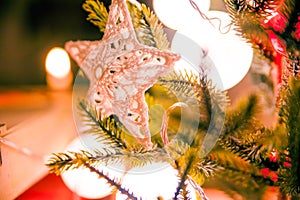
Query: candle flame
x=58, y=62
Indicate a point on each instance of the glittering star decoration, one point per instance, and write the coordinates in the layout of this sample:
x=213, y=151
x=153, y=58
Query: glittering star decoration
x=120, y=70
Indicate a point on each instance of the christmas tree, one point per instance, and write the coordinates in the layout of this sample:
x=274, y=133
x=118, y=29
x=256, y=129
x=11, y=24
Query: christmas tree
x=224, y=147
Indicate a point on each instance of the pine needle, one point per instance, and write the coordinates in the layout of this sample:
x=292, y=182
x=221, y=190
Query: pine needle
x=156, y=28
x=108, y=131
x=242, y=118
x=148, y=29
x=290, y=116
x=131, y=158
x=183, y=175
x=61, y=162
x=110, y=181
x=97, y=13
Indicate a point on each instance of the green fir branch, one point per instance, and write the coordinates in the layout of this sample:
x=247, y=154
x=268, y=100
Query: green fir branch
x=229, y=160
x=253, y=152
x=107, y=131
x=148, y=29
x=60, y=162
x=176, y=149
x=242, y=118
x=181, y=85
x=259, y=8
x=208, y=168
x=142, y=28
x=238, y=185
x=256, y=148
x=247, y=16
x=131, y=158
x=112, y=182
x=197, y=92
x=156, y=28
x=204, y=169
x=236, y=175
x=183, y=176
x=290, y=115
x=139, y=157
x=184, y=193
x=97, y=13
x=290, y=9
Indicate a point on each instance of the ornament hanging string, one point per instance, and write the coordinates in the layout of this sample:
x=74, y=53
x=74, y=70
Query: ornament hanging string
x=22, y=150
x=195, y=6
x=12, y=145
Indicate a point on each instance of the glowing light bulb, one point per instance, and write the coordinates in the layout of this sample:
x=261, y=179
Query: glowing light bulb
x=161, y=181
x=58, y=68
x=194, y=59
x=175, y=14
x=231, y=55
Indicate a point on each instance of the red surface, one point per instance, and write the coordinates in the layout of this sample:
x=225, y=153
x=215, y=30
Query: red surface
x=51, y=188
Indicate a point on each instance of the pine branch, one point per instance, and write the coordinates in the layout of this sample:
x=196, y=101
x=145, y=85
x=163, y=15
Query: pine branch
x=260, y=8
x=142, y=28
x=197, y=92
x=181, y=85
x=176, y=149
x=183, y=175
x=156, y=28
x=257, y=147
x=229, y=160
x=147, y=27
x=133, y=157
x=242, y=118
x=236, y=176
x=290, y=115
x=139, y=157
x=97, y=13
x=108, y=131
x=60, y=162
x=290, y=9
x=253, y=152
x=110, y=181
x=238, y=185
x=248, y=17
x=207, y=167
x=202, y=170
x=184, y=193
x=146, y=24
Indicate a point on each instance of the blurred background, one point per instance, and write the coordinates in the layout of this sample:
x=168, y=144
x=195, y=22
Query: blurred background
x=30, y=28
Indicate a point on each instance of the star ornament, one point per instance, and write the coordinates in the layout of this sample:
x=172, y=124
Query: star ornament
x=120, y=70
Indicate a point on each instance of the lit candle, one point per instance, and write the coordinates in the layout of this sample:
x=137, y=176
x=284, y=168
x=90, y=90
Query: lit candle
x=58, y=68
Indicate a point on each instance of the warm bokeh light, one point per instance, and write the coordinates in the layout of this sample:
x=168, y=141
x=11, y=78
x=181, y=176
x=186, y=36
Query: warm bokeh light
x=175, y=14
x=230, y=54
x=152, y=181
x=58, y=62
x=82, y=181
x=192, y=58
